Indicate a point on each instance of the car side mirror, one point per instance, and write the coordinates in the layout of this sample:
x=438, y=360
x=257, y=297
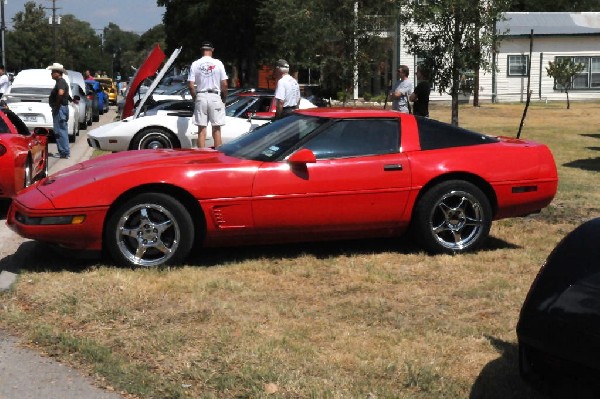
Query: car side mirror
x=302, y=156
x=41, y=131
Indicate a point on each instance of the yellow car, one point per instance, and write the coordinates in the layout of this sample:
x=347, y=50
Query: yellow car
x=110, y=88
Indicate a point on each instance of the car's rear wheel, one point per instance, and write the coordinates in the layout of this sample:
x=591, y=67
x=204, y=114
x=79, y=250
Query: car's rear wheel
x=154, y=138
x=451, y=217
x=149, y=230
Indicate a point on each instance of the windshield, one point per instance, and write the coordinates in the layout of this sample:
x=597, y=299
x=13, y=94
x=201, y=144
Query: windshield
x=273, y=140
x=237, y=108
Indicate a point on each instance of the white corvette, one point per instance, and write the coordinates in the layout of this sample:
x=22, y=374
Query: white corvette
x=164, y=129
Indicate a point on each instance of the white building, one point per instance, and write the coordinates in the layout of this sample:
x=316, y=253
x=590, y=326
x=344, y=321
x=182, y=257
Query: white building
x=573, y=35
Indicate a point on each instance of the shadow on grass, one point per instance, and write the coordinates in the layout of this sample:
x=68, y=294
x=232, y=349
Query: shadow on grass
x=591, y=164
x=39, y=257
x=500, y=378
x=592, y=135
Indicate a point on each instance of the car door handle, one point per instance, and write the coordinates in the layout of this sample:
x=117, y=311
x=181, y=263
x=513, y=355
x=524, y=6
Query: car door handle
x=393, y=166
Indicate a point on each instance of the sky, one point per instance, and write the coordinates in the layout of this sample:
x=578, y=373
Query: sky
x=130, y=15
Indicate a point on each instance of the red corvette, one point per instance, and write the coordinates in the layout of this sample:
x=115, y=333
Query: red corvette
x=322, y=173
x=23, y=154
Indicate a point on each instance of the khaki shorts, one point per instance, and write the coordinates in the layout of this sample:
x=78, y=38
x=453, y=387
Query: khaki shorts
x=208, y=107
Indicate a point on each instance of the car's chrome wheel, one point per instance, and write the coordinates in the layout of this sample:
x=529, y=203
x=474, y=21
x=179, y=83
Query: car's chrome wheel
x=150, y=230
x=454, y=216
x=154, y=139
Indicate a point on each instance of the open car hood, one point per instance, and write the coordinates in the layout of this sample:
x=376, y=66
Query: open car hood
x=147, y=69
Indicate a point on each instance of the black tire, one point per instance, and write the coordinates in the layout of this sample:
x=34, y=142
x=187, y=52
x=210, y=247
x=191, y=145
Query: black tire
x=154, y=138
x=452, y=217
x=149, y=230
x=83, y=126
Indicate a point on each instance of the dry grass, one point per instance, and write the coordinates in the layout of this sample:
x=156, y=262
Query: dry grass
x=351, y=319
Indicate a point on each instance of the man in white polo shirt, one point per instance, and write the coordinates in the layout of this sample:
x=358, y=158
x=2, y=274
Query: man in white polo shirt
x=207, y=81
x=287, y=91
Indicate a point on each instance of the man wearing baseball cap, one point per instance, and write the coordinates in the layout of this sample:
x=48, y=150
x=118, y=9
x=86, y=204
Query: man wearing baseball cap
x=207, y=81
x=287, y=92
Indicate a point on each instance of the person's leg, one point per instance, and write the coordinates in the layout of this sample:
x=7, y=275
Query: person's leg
x=217, y=119
x=201, y=136
x=61, y=133
x=216, y=133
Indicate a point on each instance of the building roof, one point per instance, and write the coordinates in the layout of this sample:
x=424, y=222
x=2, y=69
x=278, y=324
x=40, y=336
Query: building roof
x=550, y=23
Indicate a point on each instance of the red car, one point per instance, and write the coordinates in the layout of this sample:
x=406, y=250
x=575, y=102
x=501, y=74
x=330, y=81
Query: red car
x=23, y=154
x=319, y=174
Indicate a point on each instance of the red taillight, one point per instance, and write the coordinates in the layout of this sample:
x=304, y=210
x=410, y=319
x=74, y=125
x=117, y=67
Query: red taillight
x=2, y=150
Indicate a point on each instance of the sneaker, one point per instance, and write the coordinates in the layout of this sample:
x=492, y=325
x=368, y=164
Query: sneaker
x=64, y=156
x=57, y=155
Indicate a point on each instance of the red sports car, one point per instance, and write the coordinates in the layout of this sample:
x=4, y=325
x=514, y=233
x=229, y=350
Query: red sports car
x=322, y=173
x=23, y=154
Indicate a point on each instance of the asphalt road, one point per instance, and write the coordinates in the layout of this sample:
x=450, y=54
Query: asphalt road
x=25, y=373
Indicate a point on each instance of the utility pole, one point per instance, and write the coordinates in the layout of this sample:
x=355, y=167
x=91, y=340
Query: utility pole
x=54, y=21
x=2, y=31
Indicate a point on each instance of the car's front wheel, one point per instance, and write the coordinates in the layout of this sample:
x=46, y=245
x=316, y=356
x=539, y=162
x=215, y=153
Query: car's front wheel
x=150, y=229
x=154, y=138
x=451, y=217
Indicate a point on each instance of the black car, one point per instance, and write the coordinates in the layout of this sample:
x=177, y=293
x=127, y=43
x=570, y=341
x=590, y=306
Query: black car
x=559, y=324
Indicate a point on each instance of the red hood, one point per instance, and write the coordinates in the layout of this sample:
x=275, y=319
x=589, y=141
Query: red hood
x=147, y=69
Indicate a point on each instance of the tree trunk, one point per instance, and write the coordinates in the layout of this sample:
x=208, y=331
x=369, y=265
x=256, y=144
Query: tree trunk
x=455, y=70
x=568, y=102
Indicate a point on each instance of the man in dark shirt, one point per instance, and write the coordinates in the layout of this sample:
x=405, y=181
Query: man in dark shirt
x=420, y=96
x=59, y=103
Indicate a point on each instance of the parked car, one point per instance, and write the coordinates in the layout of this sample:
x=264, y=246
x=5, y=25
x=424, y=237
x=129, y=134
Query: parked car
x=80, y=98
x=559, y=323
x=23, y=154
x=110, y=88
x=161, y=129
x=318, y=174
x=100, y=93
x=28, y=98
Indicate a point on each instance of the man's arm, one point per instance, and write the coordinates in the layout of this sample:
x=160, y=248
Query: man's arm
x=278, y=109
x=224, y=90
x=192, y=88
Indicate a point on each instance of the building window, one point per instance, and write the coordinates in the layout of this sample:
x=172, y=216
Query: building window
x=589, y=77
x=517, y=65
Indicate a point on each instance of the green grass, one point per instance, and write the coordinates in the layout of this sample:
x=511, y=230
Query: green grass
x=351, y=319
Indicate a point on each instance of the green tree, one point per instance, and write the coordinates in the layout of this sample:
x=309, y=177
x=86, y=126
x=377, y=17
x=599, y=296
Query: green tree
x=563, y=70
x=29, y=44
x=229, y=25
x=333, y=36
x=455, y=36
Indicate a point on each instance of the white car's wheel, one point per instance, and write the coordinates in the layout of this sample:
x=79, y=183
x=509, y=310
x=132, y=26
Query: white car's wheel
x=154, y=138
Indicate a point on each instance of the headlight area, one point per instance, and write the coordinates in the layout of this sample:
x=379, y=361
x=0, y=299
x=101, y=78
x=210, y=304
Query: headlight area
x=49, y=220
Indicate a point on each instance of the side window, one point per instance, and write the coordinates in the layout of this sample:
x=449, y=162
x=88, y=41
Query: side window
x=356, y=137
x=19, y=124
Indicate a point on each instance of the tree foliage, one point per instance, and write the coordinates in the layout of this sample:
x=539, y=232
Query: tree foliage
x=454, y=36
x=563, y=70
x=229, y=25
x=34, y=43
